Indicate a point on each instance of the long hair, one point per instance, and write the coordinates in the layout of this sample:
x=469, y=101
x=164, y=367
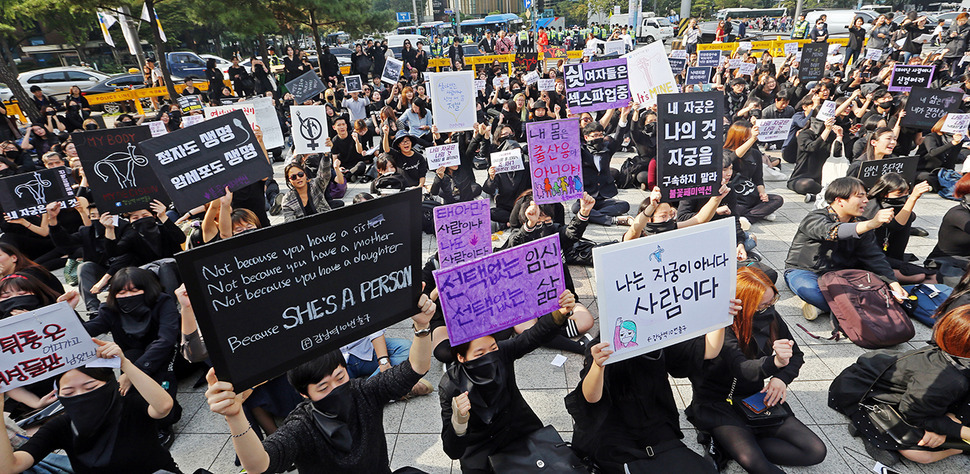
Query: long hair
x=752, y=286
x=888, y=183
x=739, y=133
x=870, y=153
x=405, y=102
x=952, y=332
x=16, y=282
x=134, y=278
x=22, y=260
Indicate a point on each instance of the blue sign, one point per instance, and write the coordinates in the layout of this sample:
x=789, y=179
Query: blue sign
x=403, y=17
x=449, y=11
x=528, y=4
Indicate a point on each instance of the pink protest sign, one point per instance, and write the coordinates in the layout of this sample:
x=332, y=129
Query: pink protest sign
x=463, y=231
x=501, y=290
x=555, y=161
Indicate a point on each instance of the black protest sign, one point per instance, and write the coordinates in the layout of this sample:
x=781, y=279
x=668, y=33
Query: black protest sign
x=392, y=71
x=711, y=58
x=305, y=87
x=698, y=75
x=188, y=103
x=906, y=77
x=812, y=65
x=689, y=146
x=196, y=164
x=526, y=61
x=871, y=171
x=677, y=65
x=117, y=170
x=353, y=84
x=925, y=107
x=269, y=300
x=28, y=194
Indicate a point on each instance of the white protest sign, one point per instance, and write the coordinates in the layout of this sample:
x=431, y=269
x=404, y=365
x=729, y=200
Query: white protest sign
x=190, y=120
x=547, y=85
x=746, y=68
x=873, y=54
x=453, y=107
x=310, y=129
x=506, y=161
x=479, y=84
x=745, y=46
x=42, y=343
x=790, y=49
x=734, y=63
x=615, y=46
x=647, y=78
x=956, y=123
x=531, y=78
x=248, y=109
x=269, y=122
x=657, y=291
x=798, y=57
x=500, y=82
x=157, y=128
x=444, y=155
x=678, y=54
x=834, y=48
x=589, y=52
x=826, y=110
x=772, y=130
x=924, y=39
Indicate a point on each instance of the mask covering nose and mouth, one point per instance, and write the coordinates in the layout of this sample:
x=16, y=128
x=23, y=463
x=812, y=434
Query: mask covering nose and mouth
x=332, y=414
x=22, y=302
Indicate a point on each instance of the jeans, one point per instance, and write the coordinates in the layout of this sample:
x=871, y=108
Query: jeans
x=52, y=464
x=604, y=210
x=88, y=273
x=397, y=351
x=804, y=283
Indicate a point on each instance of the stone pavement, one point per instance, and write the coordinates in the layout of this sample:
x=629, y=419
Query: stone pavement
x=413, y=427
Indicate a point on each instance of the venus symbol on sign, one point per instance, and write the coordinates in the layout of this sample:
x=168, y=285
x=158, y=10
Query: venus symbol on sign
x=310, y=130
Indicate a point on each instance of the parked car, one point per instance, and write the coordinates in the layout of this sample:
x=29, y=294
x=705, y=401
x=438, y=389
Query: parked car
x=183, y=64
x=112, y=84
x=839, y=20
x=5, y=93
x=57, y=81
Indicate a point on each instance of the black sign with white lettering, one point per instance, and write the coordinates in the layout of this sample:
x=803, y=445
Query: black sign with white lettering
x=269, y=300
x=812, y=65
x=925, y=107
x=677, y=65
x=698, y=75
x=871, y=171
x=195, y=165
x=905, y=77
x=117, y=170
x=689, y=146
x=189, y=103
x=307, y=86
x=28, y=194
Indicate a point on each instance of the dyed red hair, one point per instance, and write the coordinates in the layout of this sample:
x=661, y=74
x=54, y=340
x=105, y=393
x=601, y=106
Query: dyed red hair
x=739, y=133
x=752, y=286
x=952, y=331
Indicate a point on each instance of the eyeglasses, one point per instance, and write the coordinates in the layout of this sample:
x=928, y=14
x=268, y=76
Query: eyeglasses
x=294, y=177
x=764, y=307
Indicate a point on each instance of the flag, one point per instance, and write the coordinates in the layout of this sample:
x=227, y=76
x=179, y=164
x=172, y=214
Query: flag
x=145, y=17
x=106, y=20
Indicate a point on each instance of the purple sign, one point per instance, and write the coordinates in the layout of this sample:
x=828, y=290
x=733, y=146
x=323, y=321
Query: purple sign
x=600, y=85
x=501, y=290
x=905, y=77
x=557, y=169
x=463, y=231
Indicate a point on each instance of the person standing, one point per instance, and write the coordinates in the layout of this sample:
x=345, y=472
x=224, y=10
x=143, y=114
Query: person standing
x=487, y=45
x=800, y=29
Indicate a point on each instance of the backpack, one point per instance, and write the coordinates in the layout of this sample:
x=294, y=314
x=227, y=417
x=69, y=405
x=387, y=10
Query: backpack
x=928, y=298
x=427, y=215
x=948, y=180
x=627, y=177
x=864, y=309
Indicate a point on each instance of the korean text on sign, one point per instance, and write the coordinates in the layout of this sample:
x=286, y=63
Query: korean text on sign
x=599, y=85
x=463, y=231
x=554, y=158
x=689, y=148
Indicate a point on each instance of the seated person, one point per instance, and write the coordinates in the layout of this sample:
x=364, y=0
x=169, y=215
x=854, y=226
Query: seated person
x=389, y=180
x=892, y=192
x=655, y=217
x=371, y=355
x=596, y=152
x=953, y=242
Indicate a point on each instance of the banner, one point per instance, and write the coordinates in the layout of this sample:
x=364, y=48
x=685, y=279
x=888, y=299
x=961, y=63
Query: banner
x=28, y=194
x=811, y=67
x=496, y=292
x=771, y=130
x=105, y=20
x=526, y=61
x=554, y=160
x=443, y=155
x=248, y=109
x=310, y=129
x=196, y=164
x=271, y=299
x=453, y=106
x=305, y=87
x=905, y=77
x=600, y=85
x=118, y=172
x=462, y=231
x=42, y=343
x=925, y=107
x=506, y=161
x=871, y=171
x=689, y=144
x=657, y=291
x=646, y=78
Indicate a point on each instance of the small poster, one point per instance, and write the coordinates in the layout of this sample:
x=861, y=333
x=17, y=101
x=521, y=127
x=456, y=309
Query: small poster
x=747, y=69
x=599, y=85
x=698, y=75
x=905, y=77
x=462, y=231
x=646, y=78
x=871, y=171
x=710, y=58
x=507, y=161
x=554, y=160
x=811, y=66
x=956, y=123
x=117, y=169
x=443, y=155
x=873, y=54
x=689, y=142
x=392, y=71
x=310, y=129
x=480, y=84
x=771, y=130
x=28, y=194
x=826, y=110
x=157, y=128
x=531, y=78
x=790, y=49
x=189, y=103
x=353, y=84
x=306, y=87
x=678, y=54
x=453, y=107
x=546, y=85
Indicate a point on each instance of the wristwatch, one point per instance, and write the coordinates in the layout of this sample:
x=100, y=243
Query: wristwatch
x=384, y=360
x=420, y=332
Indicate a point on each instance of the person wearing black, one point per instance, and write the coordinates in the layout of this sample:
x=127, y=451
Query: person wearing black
x=190, y=89
x=77, y=108
x=953, y=242
x=893, y=192
x=242, y=82
x=293, y=64
x=455, y=183
x=596, y=152
x=956, y=43
x=378, y=54
x=410, y=163
x=815, y=143
x=261, y=76
x=857, y=38
x=91, y=239
x=216, y=81
x=753, y=202
x=938, y=151
x=487, y=45
x=360, y=62
x=482, y=409
x=408, y=57
x=328, y=65
x=757, y=346
x=456, y=54
x=349, y=147
x=45, y=104
x=915, y=28
x=504, y=187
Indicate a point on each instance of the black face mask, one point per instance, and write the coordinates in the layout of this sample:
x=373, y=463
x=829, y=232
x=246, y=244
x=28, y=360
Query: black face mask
x=13, y=155
x=24, y=302
x=136, y=315
x=91, y=126
x=94, y=422
x=895, y=202
x=332, y=415
x=485, y=380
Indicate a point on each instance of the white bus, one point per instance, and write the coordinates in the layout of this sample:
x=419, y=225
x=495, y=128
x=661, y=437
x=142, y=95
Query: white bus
x=737, y=13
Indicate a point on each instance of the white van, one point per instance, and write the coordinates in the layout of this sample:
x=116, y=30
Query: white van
x=840, y=20
x=652, y=28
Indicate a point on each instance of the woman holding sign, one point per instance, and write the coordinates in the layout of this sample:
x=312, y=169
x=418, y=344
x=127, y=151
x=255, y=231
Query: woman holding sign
x=757, y=346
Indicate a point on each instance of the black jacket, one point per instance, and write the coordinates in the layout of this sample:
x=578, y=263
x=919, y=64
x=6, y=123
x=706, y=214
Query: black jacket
x=937, y=151
x=599, y=182
x=131, y=249
x=152, y=352
x=90, y=238
x=823, y=244
x=506, y=187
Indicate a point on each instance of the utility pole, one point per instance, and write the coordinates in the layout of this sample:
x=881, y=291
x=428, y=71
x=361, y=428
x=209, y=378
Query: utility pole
x=414, y=5
x=131, y=36
x=685, y=9
x=798, y=10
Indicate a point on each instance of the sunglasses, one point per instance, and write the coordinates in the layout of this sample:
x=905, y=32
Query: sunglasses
x=296, y=176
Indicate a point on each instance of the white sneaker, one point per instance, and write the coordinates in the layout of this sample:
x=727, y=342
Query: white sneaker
x=745, y=224
x=771, y=217
x=773, y=174
x=810, y=312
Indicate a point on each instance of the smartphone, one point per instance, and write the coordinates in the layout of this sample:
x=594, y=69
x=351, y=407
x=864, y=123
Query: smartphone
x=888, y=470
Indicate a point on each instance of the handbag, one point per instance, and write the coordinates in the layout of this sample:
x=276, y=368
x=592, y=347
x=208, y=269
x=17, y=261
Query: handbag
x=769, y=417
x=543, y=450
x=886, y=419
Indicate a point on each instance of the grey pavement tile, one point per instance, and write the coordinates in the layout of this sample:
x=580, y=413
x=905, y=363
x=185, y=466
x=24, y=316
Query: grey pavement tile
x=206, y=422
x=814, y=397
x=194, y=451
x=549, y=407
x=225, y=461
x=422, y=451
x=536, y=371
x=394, y=414
x=422, y=415
x=192, y=403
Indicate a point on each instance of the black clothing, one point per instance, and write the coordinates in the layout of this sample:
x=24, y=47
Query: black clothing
x=153, y=351
x=823, y=244
x=953, y=239
x=242, y=82
x=135, y=246
x=412, y=168
x=292, y=68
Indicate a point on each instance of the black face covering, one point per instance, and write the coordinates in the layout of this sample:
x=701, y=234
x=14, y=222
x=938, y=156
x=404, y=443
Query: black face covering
x=595, y=143
x=95, y=420
x=91, y=126
x=332, y=414
x=485, y=379
x=761, y=327
x=895, y=203
x=24, y=302
x=147, y=228
x=136, y=316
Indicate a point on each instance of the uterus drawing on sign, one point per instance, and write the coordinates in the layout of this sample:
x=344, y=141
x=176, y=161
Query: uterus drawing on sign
x=122, y=164
x=36, y=187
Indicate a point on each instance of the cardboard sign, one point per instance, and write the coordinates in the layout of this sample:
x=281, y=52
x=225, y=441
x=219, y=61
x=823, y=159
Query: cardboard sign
x=269, y=121
x=444, y=155
x=771, y=130
x=496, y=292
x=689, y=144
x=500, y=82
x=646, y=78
x=826, y=110
x=660, y=290
x=310, y=129
x=956, y=123
x=546, y=85
x=676, y=66
x=790, y=49
x=196, y=164
x=118, y=172
x=453, y=107
x=248, y=109
x=392, y=71
x=746, y=69
x=190, y=120
x=710, y=58
x=927, y=106
x=507, y=161
x=531, y=78
x=873, y=54
x=353, y=84
x=157, y=128
x=307, y=86
x=734, y=63
x=905, y=77
x=698, y=75
x=554, y=160
x=28, y=194
x=811, y=67
x=462, y=231
x=600, y=85
x=274, y=298
x=42, y=343
x=871, y=171
x=526, y=61
x=189, y=103
x=617, y=47
x=678, y=54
